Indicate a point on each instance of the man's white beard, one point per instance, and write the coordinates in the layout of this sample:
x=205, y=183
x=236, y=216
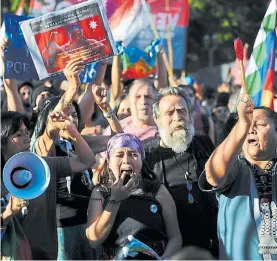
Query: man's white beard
x=180, y=140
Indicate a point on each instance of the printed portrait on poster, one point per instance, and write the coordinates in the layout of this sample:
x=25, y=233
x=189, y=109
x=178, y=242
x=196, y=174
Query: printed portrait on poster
x=77, y=32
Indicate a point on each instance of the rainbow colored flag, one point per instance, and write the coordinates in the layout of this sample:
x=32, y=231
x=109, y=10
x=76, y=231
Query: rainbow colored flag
x=139, y=63
x=260, y=70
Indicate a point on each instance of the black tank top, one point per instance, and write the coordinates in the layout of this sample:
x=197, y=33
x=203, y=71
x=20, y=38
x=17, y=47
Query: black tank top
x=140, y=215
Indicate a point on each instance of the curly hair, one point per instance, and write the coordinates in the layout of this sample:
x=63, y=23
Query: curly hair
x=177, y=91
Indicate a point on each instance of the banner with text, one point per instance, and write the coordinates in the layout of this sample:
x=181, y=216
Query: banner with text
x=18, y=61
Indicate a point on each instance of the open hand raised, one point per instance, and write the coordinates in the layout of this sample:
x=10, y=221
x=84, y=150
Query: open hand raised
x=119, y=191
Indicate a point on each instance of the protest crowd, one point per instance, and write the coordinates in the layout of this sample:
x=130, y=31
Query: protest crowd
x=134, y=166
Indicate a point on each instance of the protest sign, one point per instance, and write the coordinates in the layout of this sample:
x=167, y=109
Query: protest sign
x=129, y=22
x=18, y=61
x=80, y=31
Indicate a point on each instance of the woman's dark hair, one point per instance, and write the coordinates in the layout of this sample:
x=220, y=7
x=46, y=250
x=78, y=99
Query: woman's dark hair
x=118, y=102
x=11, y=123
x=25, y=84
x=4, y=191
x=48, y=106
x=222, y=99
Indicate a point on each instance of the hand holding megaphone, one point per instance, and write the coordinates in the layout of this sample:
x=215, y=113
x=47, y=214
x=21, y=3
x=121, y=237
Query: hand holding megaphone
x=15, y=205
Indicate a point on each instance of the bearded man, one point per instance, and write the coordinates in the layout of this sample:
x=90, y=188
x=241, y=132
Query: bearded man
x=177, y=159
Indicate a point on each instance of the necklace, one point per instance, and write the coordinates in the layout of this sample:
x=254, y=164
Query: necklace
x=188, y=184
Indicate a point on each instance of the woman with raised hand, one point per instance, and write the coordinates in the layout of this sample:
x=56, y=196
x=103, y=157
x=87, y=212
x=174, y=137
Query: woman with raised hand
x=73, y=192
x=126, y=203
x=40, y=226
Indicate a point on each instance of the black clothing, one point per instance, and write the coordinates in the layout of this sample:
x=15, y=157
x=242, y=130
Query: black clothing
x=180, y=172
x=139, y=215
x=263, y=179
x=40, y=226
x=71, y=208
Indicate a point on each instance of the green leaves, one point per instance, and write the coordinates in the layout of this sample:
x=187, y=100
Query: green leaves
x=228, y=20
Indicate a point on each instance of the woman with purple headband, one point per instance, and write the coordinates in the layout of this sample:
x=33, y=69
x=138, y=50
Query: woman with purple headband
x=126, y=203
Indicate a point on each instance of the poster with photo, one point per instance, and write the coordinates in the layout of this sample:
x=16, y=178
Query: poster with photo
x=80, y=31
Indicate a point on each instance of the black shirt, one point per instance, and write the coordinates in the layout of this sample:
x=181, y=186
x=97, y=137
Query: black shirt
x=73, y=195
x=40, y=225
x=180, y=172
x=139, y=215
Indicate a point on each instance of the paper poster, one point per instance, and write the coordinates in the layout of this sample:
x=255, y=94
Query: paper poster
x=18, y=61
x=80, y=31
x=129, y=22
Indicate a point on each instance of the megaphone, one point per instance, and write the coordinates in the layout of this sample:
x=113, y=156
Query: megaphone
x=26, y=175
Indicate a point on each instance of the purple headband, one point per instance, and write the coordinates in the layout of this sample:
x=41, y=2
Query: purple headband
x=121, y=140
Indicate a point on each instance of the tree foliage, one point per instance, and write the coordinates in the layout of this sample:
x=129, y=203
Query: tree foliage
x=228, y=19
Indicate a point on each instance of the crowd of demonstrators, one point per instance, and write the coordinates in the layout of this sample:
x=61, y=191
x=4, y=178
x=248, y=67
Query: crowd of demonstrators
x=139, y=158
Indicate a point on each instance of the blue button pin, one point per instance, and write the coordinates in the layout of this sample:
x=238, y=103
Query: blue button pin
x=154, y=209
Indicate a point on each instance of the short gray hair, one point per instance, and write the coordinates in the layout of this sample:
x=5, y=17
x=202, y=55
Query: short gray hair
x=177, y=91
x=142, y=81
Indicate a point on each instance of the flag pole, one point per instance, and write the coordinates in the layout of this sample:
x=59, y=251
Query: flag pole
x=172, y=82
x=243, y=76
x=169, y=41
